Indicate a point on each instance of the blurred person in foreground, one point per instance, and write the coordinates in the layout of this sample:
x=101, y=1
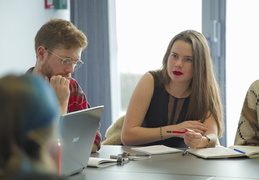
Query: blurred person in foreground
x=28, y=118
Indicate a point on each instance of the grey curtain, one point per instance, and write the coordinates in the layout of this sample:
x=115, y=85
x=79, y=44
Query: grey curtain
x=214, y=29
x=91, y=16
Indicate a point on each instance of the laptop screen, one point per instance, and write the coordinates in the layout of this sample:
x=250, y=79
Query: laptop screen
x=77, y=132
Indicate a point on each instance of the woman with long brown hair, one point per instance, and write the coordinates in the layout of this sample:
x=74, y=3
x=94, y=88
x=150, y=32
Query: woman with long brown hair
x=178, y=105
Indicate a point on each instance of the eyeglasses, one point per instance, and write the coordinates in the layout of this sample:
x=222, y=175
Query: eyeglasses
x=68, y=61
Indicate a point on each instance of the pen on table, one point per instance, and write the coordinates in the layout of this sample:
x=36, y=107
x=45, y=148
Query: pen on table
x=132, y=154
x=240, y=151
x=177, y=132
x=185, y=151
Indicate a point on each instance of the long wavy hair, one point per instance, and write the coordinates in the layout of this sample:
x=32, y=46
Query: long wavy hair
x=205, y=97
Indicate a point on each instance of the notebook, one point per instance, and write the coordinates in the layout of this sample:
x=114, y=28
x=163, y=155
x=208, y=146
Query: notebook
x=156, y=149
x=77, y=132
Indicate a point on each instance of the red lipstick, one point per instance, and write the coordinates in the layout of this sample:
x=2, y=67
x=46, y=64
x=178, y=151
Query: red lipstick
x=177, y=73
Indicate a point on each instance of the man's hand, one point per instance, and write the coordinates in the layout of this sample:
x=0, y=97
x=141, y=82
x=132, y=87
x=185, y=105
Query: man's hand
x=61, y=87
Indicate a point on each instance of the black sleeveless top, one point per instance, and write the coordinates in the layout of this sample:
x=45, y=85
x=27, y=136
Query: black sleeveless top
x=163, y=110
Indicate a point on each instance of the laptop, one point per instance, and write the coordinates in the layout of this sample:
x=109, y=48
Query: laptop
x=77, y=133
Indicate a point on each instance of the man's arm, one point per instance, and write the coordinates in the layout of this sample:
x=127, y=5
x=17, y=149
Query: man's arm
x=78, y=101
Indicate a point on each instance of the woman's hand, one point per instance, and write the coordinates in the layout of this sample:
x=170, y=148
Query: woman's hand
x=196, y=126
x=192, y=138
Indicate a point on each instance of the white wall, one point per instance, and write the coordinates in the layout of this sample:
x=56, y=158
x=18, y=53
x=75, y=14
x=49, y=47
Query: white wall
x=20, y=21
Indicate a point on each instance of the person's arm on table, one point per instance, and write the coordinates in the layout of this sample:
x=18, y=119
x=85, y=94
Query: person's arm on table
x=208, y=139
x=134, y=134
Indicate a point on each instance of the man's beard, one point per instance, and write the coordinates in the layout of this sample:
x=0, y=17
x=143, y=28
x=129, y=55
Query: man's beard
x=46, y=70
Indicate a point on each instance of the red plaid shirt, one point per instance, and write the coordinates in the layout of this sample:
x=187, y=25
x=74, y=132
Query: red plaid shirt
x=77, y=101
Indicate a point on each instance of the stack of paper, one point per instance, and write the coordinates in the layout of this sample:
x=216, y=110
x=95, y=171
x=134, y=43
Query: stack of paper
x=156, y=149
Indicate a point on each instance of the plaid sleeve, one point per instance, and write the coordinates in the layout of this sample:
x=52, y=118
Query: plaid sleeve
x=98, y=138
x=77, y=101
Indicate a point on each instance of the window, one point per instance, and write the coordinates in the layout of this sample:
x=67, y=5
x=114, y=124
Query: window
x=144, y=29
x=241, y=58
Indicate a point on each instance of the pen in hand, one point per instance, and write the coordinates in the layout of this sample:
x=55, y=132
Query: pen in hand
x=177, y=132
